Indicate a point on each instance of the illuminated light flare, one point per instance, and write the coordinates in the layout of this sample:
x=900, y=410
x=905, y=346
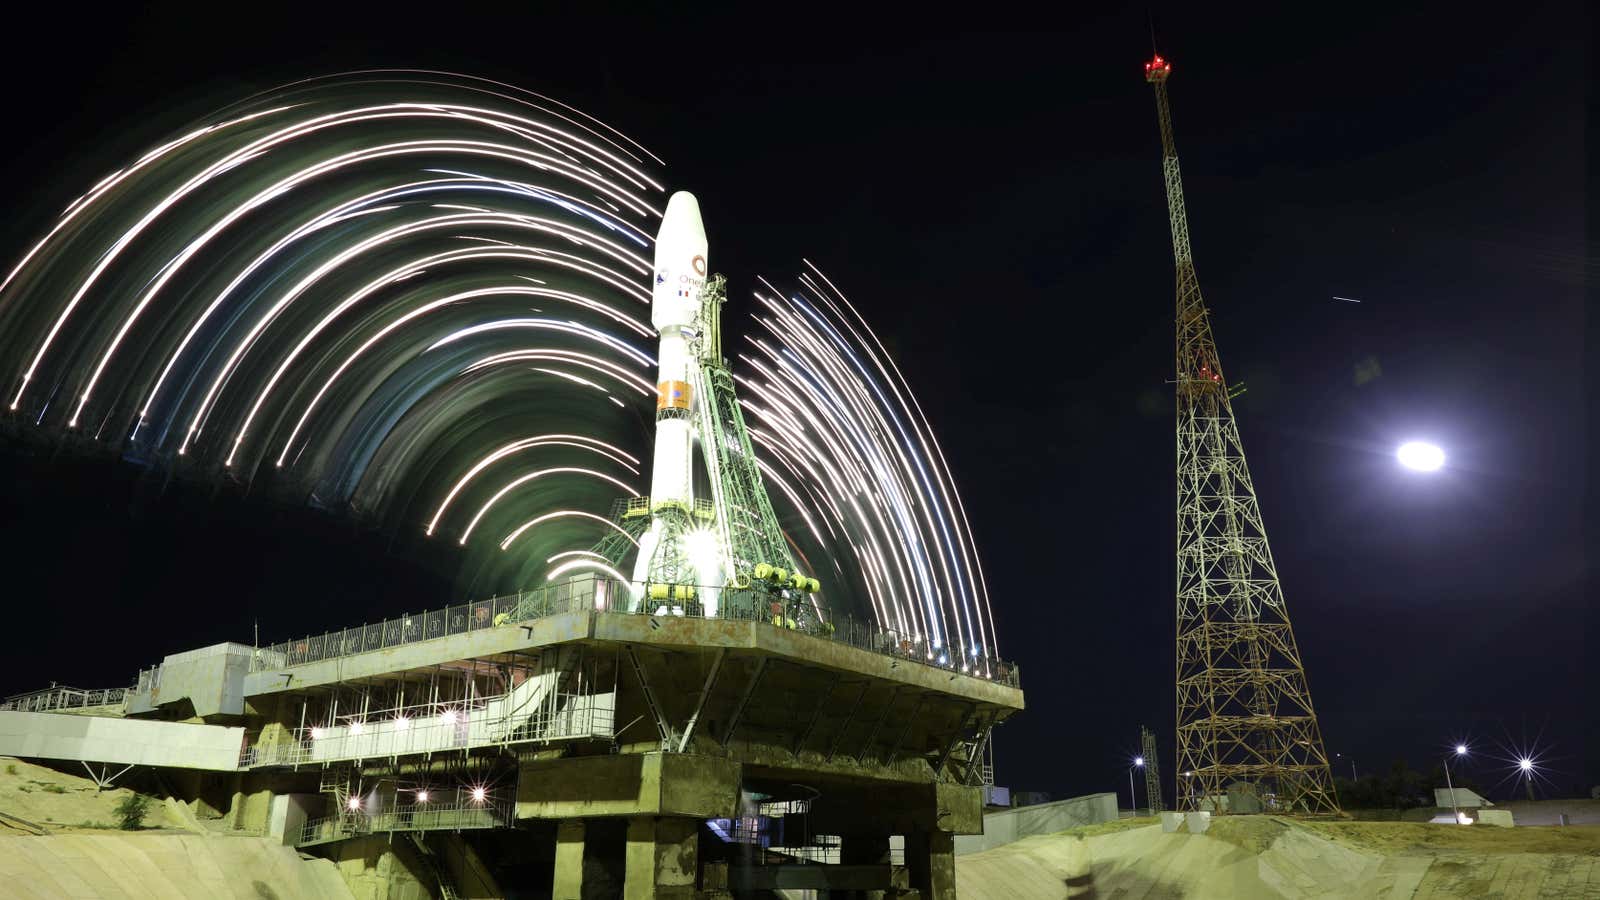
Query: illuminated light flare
x=1420, y=456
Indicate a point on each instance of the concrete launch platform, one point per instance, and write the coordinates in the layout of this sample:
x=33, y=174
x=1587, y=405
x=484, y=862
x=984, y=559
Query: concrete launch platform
x=667, y=754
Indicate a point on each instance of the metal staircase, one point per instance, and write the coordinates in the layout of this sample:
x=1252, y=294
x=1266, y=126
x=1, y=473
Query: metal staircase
x=436, y=870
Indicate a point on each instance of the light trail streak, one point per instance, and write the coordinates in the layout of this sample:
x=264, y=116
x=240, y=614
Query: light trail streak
x=423, y=310
x=578, y=564
x=380, y=292
x=532, y=476
x=544, y=440
x=564, y=514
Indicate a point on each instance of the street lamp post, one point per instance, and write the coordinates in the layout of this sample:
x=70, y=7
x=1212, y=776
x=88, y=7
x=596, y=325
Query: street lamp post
x=1352, y=765
x=1133, y=800
x=1461, y=750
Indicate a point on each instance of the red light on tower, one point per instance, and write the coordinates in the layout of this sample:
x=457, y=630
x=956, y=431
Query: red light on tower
x=1157, y=69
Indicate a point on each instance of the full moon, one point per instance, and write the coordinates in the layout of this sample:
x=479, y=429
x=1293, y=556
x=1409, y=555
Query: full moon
x=1420, y=456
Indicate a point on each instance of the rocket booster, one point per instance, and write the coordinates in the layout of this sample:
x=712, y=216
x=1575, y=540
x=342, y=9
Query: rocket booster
x=680, y=272
x=679, y=275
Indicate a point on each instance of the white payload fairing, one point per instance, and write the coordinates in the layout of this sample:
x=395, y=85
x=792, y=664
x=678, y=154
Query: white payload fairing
x=680, y=273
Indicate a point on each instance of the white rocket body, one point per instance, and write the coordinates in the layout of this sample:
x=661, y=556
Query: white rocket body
x=680, y=273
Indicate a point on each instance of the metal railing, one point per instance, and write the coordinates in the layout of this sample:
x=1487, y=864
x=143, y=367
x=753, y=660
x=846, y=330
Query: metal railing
x=594, y=593
x=457, y=815
x=493, y=721
x=60, y=697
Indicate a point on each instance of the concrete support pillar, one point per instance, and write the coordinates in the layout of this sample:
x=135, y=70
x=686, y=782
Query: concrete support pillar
x=282, y=714
x=663, y=857
x=931, y=859
x=568, y=884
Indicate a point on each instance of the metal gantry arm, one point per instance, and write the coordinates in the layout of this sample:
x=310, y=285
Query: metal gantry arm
x=746, y=525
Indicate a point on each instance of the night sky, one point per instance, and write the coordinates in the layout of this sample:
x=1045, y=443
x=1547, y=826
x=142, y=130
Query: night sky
x=991, y=200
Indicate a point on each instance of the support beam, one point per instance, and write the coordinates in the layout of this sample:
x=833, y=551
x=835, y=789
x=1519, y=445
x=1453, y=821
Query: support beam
x=816, y=714
x=838, y=736
x=650, y=698
x=966, y=722
x=905, y=732
x=975, y=762
x=744, y=700
x=872, y=735
x=101, y=782
x=700, y=704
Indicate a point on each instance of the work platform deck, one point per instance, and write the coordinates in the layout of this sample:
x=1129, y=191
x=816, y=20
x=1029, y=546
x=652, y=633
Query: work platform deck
x=667, y=632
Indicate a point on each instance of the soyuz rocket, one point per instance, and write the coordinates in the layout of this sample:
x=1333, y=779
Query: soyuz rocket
x=680, y=273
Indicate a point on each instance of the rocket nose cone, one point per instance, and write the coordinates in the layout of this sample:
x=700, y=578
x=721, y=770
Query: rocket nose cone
x=681, y=224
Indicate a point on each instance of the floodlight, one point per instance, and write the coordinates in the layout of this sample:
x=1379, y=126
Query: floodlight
x=1420, y=456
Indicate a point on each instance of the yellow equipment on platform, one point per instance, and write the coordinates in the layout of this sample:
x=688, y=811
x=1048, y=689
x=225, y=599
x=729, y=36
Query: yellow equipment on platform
x=670, y=591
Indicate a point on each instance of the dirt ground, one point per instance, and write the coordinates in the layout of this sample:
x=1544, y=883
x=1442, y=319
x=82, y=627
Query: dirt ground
x=1276, y=857
x=1396, y=837
x=79, y=851
x=65, y=803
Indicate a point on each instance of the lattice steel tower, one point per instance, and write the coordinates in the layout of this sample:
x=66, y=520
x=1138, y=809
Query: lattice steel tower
x=1152, y=770
x=1244, y=709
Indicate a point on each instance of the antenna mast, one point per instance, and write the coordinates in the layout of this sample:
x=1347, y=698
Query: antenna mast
x=1245, y=719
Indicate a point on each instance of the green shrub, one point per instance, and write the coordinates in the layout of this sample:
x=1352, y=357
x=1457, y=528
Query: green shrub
x=131, y=812
x=55, y=789
x=10, y=769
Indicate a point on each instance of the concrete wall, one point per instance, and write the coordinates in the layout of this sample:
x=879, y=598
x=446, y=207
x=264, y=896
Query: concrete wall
x=628, y=785
x=1047, y=818
x=472, y=878
x=122, y=741
x=375, y=869
x=289, y=812
x=211, y=678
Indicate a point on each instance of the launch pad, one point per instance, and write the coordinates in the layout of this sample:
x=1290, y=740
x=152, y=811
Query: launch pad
x=713, y=724
x=675, y=755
